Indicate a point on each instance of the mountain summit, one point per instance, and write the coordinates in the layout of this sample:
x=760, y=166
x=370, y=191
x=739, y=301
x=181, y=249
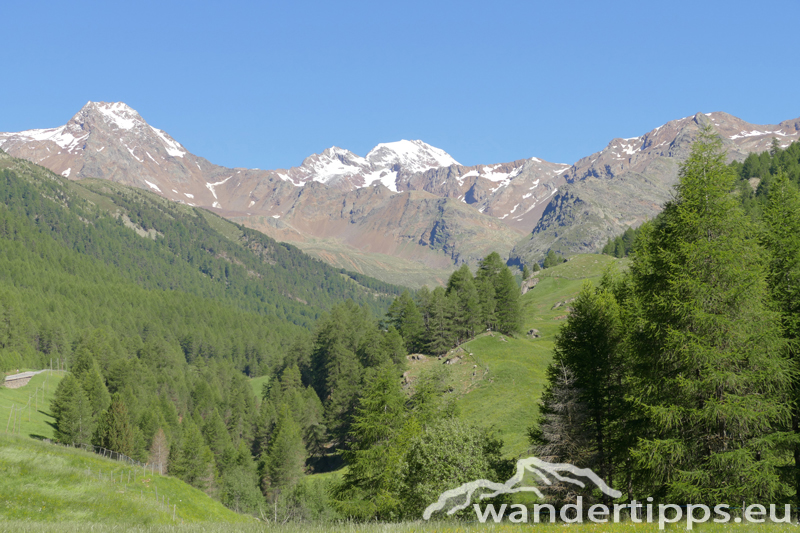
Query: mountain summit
x=404, y=199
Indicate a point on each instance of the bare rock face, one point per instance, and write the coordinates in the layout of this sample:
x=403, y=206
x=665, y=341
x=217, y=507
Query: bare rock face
x=528, y=284
x=629, y=181
x=407, y=198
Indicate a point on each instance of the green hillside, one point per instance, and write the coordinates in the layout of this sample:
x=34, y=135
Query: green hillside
x=500, y=383
x=26, y=411
x=48, y=483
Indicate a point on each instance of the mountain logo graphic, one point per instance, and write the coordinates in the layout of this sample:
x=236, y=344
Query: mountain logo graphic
x=454, y=500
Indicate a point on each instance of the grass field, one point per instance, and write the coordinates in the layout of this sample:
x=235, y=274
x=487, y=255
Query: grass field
x=34, y=420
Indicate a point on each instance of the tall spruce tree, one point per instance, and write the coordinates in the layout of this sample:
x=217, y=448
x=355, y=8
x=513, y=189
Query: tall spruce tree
x=708, y=358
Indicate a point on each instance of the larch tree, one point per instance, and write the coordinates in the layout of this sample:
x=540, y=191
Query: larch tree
x=284, y=464
x=373, y=479
x=708, y=358
x=781, y=238
x=159, y=450
x=74, y=421
x=114, y=430
x=585, y=399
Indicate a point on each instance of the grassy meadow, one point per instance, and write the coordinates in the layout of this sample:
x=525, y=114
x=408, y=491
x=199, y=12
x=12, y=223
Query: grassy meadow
x=499, y=379
x=30, y=416
x=46, y=483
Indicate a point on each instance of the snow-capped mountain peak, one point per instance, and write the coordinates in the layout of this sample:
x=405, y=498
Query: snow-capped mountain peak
x=116, y=114
x=332, y=163
x=412, y=156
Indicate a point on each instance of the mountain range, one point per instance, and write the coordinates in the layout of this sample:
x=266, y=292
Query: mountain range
x=407, y=211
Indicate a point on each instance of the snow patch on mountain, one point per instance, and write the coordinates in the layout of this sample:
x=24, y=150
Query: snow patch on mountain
x=210, y=187
x=119, y=114
x=60, y=136
x=172, y=147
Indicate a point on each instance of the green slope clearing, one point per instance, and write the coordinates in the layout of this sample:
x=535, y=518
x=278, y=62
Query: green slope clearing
x=498, y=379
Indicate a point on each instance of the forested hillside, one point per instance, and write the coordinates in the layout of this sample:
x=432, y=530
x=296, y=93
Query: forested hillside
x=95, y=254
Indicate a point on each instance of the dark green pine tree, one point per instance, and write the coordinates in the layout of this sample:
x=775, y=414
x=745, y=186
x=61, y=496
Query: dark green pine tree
x=114, y=430
x=74, y=422
x=708, y=358
x=526, y=272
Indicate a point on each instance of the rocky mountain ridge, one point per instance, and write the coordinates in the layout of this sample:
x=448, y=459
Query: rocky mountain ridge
x=404, y=199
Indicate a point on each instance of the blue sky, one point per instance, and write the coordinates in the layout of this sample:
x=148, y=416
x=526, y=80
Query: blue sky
x=265, y=84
